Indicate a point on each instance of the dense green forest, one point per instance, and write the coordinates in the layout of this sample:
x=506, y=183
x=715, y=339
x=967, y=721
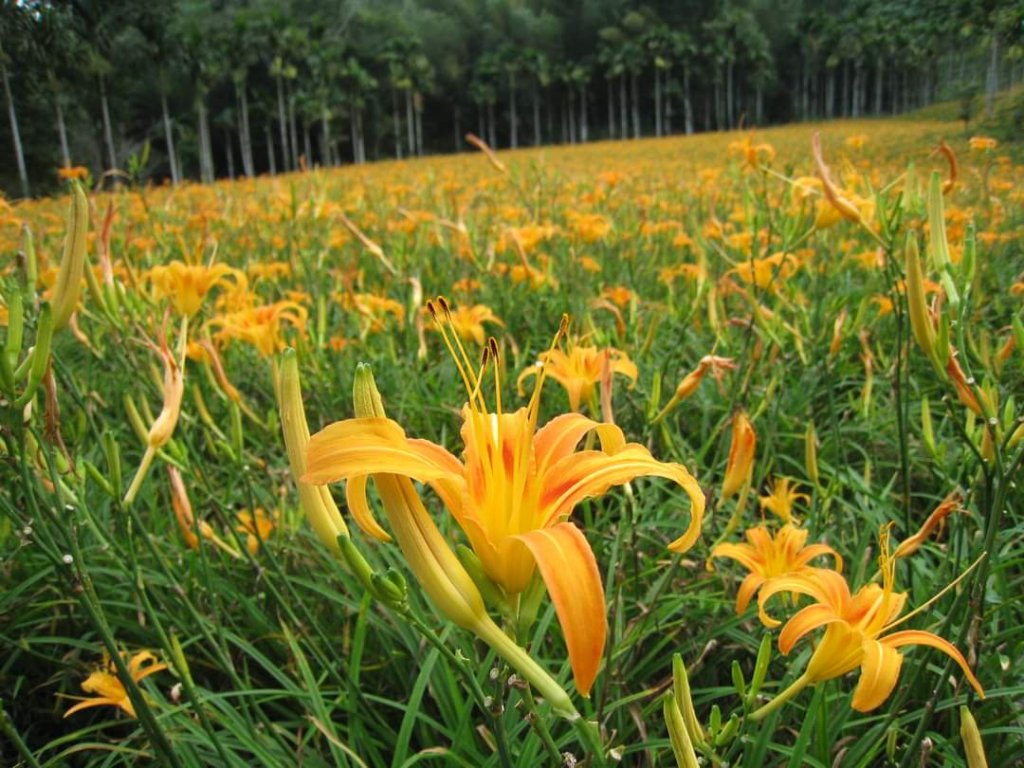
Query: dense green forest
x=173, y=89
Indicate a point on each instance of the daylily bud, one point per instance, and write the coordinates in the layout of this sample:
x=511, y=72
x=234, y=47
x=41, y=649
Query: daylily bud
x=832, y=193
x=316, y=501
x=973, y=746
x=684, y=700
x=72, y=263
x=920, y=317
x=927, y=431
x=436, y=567
x=482, y=145
x=949, y=505
x=682, y=746
x=741, y=455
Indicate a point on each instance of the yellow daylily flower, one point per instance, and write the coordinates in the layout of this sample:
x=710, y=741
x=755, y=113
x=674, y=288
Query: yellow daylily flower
x=512, y=493
x=257, y=527
x=468, y=322
x=109, y=689
x=261, y=326
x=186, y=285
x=579, y=370
x=781, y=499
x=769, y=557
x=857, y=634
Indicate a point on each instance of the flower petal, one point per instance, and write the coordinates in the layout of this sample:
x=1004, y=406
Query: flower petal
x=355, y=497
x=879, y=671
x=744, y=554
x=569, y=570
x=920, y=637
x=591, y=473
x=805, y=620
x=369, y=446
x=746, y=591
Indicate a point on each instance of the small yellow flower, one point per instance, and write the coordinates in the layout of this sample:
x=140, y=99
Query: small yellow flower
x=768, y=557
x=982, y=143
x=781, y=499
x=261, y=326
x=257, y=527
x=186, y=285
x=579, y=370
x=109, y=689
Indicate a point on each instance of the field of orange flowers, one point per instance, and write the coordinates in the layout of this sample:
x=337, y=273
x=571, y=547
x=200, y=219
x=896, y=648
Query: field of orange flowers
x=692, y=451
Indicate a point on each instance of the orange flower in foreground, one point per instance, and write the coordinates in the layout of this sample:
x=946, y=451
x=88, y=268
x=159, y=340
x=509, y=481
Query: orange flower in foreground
x=109, y=689
x=857, y=634
x=512, y=493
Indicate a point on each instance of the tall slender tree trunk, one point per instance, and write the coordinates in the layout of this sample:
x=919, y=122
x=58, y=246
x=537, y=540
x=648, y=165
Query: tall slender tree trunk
x=245, y=131
x=730, y=93
x=657, y=103
x=354, y=132
x=230, y=152
x=536, y=115
x=206, y=170
x=879, y=83
x=457, y=126
x=513, y=123
x=687, y=101
x=492, y=131
x=307, y=144
x=636, y=106
x=668, y=102
x=62, y=130
x=830, y=92
x=718, y=105
x=293, y=135
x=858, y=70
x=623, y=106
x=108, y=131
x=172, y=156
x=759, y=104
x=282, y=122
x=611, y=106
x=992, y=79
x=325, y=137
x=417, y=103
x=410, y=127
x=396, y=122
x=481, y=122
x=584, y=123
x=12, y=115
x=570, y=103
x=271, y=161
x=565, y=119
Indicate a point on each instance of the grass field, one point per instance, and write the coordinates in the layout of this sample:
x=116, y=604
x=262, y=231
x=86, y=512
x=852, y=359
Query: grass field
x=833, y=353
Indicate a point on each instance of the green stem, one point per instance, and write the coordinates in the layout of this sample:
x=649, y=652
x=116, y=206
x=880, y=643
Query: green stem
x=541, y=727
x=795, y=687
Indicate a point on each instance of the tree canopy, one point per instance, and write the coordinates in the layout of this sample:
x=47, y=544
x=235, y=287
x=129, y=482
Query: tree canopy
x=223, y=87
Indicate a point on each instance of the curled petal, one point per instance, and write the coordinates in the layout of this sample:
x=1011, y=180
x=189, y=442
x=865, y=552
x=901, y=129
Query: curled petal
x=879, y=671
x=920, y=637
x=805, y=620
x=355, y=497
x=592, y=473
x=569, y=570
x=369, y=446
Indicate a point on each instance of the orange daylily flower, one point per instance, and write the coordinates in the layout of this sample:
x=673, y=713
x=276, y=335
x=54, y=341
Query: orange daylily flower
x=579, y=370
x=741, y=455
x=512, y=493
x=948, y=506
x=468, y=322
x=261, y=326
x=857, y=634
x=754, y=155
x=769, y=557
x=109, y=689
x=257, y=527
x=781, y=499
x=186, y=285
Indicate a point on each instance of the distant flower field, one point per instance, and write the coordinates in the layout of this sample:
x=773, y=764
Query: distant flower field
x=690, y=451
